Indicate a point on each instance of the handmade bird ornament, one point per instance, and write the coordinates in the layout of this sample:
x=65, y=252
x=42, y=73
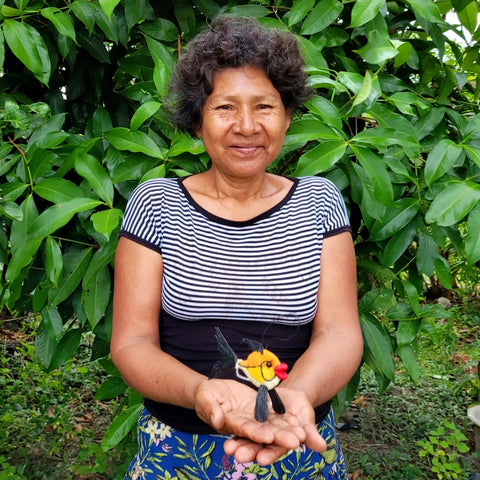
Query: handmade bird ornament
x=261, y=368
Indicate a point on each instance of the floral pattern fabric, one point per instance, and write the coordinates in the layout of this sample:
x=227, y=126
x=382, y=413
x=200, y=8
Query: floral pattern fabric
x=168, y=454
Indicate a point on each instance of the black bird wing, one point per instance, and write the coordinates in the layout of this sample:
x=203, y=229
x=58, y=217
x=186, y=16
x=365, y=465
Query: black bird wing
x=261, y=404
x=227, y=359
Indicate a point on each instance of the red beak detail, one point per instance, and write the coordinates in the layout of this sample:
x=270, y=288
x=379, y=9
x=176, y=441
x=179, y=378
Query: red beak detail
x=281, y=371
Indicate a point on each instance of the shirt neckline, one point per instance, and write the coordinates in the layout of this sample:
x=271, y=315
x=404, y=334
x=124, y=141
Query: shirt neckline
x=236, y=223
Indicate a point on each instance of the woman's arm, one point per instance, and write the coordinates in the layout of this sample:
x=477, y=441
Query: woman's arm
x=332, y=358
x=336, y=345
x=135, y=344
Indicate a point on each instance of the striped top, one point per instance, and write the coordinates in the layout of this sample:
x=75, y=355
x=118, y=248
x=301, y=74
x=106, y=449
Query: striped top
x=265, y=269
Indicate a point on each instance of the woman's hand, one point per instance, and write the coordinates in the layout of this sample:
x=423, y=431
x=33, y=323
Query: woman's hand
x=228, y=406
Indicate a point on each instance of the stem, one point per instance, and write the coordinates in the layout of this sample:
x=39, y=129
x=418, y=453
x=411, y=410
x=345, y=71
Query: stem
x=24, y=157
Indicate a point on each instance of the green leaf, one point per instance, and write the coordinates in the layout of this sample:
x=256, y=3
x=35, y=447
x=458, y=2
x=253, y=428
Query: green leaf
x=108, y=6
x=376, y=171
x=472, y=130
x=161, y=77
x=379, y=345
x=107, y=220
x=160, y=29
x=112, y=387
x=408, y=357
x=18, y=233
x=299, y=10
x=427, y=252
x=185, y=15
x=157, y=172
x=124, y=139
x=94, y=46
x=89, y=167
x=159, y=51
x=441, y=159
x=255, y=11
x=85, y=12
x=66, y=348
x=45, y=344
x=407, y=332
x=120, y=427
x=144, y=112
x=325, y=13
x=57, y=190
x=40, y=162
x=22, y=257
x=473, y=153
x=399, y=243
x=472, y=241
x=320, y=158
x=95, y=296
x=57, y=216
x=397, y=216
x=11, y=191
x=426, y=9
x=75, y=264
x=185, y=144
x=28, y=46
x=11, y=210
x=365, y=89
x=325, y=110
x=2, y=50
x=365, y=10
x=62, y=22
x=379, y=48
x=442, y=269
x=412, y=295
x=452, y=204
x=101, y=121
x=308, y=129
x=379, y=138
x=208, y=7
x=53, y=260
x=469, y=17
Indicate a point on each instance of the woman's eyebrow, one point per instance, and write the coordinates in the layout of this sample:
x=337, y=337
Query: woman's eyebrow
x=233, y=97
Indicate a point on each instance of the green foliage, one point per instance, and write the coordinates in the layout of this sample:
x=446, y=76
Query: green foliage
x=395, y=123
x=50, y=423
x=444, y=446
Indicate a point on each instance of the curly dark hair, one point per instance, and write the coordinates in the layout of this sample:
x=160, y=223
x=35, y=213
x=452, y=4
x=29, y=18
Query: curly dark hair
x=235, y=42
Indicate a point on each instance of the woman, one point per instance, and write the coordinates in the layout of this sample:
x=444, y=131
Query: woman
x=240, y=249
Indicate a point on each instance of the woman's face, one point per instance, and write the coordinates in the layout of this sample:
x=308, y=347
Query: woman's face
x=244, y=122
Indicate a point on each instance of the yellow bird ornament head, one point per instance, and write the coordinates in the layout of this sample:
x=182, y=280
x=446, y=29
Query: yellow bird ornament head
x=261, y=368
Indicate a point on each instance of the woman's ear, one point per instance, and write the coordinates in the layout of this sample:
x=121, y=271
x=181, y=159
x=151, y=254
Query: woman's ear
x=288, y=118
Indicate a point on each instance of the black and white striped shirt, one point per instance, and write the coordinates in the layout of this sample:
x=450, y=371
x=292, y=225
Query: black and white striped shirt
x=265, y=269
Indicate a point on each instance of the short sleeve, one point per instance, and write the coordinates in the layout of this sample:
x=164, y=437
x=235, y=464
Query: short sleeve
x=335, y=216
x=142, y=219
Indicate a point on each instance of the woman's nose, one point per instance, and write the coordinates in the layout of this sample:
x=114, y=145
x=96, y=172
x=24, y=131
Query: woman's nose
x=246, y=123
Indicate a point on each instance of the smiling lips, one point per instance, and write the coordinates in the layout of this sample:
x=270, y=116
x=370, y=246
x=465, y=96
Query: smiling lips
x=246, y=149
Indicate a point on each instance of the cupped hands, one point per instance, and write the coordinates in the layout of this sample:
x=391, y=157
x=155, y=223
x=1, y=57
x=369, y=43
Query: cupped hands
x=228, y=407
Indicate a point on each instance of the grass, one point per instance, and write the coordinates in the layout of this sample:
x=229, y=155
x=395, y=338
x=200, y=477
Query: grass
x=51, y=425
x=391, y=423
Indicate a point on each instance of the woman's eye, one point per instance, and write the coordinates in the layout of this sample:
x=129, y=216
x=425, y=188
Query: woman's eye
x=264, y=106
x=224, y=107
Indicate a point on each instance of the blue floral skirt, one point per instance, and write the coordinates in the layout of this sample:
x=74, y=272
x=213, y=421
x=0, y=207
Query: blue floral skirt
x=168, y=454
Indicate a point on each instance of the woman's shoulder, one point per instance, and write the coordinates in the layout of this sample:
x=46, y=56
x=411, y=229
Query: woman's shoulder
x=155, y=186
x=319, y=185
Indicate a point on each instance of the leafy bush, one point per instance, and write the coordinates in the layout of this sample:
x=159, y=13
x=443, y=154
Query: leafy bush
x=394, y=123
